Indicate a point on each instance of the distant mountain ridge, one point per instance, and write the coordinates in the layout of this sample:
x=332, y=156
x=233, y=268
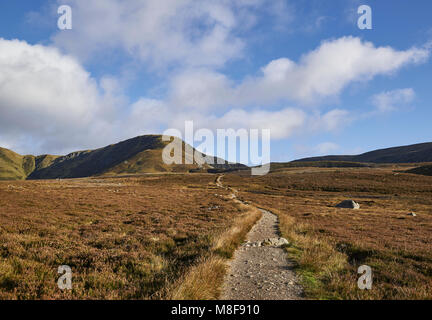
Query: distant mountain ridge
x=415, y=153
x=141, y=154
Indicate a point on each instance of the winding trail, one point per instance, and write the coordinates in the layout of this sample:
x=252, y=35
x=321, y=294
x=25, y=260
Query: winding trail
x=259, y=272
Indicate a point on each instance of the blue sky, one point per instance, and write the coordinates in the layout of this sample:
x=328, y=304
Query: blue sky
x=300, y=68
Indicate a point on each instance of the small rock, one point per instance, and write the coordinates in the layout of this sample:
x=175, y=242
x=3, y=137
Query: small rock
x=282, y=242
x=275, y=242
x=412, y=214
x=349, y=204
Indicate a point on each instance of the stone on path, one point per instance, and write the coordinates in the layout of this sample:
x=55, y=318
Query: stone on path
x=269, y=242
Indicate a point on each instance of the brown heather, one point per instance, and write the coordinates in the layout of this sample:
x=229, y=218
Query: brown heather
x=124, y=238
x=169, y=236
x=329, y=244
x=205, y=280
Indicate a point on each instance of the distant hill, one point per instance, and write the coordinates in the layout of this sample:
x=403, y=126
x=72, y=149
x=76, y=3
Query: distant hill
x=134, y=156
x=275, y=166
x=424, y=170
x=415, y=153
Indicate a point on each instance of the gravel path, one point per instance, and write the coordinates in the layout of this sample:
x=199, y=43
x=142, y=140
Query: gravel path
x=261, y=273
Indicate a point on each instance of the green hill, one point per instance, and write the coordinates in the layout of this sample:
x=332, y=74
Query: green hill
x=134, y=156
x=14, y=166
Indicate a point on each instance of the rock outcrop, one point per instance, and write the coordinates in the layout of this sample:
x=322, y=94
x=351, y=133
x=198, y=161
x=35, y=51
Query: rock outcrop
x=349, y=204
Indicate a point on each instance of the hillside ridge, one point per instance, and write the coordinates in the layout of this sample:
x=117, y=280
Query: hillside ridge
x=142, y=154
x=415, y=153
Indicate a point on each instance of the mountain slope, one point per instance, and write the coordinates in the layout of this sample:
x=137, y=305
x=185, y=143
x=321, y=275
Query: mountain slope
x=317, y=164
x=92, y=162
x=138, y=155
x=407, y=154
x=14, y=166
x=424, y=170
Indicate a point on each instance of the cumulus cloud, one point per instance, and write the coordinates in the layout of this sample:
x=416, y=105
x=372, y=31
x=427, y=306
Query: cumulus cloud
x=333, y=120
x=162, y=33
x=327, y=70
x=202, y=90
x=392, y=100
x=50, y=103
x=48, y=99
x=282, y=123
x=148, y=116
x=321, y=73
x=156, y=114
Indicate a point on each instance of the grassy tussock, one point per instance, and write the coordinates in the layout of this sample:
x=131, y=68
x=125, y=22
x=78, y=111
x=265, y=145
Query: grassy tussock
x=204, y=281
x=318, y=261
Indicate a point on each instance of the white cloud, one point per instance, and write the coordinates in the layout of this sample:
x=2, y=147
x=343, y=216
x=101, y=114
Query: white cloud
x=162, y=33
x=327, y=70
x=201, y=89
x=320, y=74
x=147, y=116
x=331, y=121
x=334, y=120
x=48, y=101
x=392, y=100
x=283, y=123
x=156, y=114
x=204, y=33
x=50, y=104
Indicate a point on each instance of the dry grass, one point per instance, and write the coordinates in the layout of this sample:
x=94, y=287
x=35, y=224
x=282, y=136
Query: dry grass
x=124, y=238
x=329, y=244
x=204, y=281
x=316, y=258
x=169, y=236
